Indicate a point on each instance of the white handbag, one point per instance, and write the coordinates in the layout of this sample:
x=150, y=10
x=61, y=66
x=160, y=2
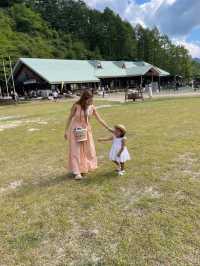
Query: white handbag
x=80, y=134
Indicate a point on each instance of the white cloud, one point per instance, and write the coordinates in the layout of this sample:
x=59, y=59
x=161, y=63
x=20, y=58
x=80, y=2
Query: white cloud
x=193, y=47
x=130, y=10
x=177, y=18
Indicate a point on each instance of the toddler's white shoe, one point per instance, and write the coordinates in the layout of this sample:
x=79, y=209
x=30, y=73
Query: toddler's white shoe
x=121, y=173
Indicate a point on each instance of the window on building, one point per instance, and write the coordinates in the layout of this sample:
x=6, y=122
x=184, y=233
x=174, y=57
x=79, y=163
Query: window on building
x=99, y=65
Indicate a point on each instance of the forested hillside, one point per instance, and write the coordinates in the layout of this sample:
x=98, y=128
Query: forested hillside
x=69, y=29
x=196, y=68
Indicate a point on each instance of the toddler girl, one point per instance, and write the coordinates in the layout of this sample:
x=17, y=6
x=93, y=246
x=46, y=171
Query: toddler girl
x=119, y=153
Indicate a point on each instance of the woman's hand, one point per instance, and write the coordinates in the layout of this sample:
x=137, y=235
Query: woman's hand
x=110, y=129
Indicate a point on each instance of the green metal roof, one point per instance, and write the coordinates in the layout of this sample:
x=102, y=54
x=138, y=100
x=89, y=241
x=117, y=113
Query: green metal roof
x=138, y=70
x=157, y=69
x=109, y=69
x=55, y=71
x=163, y=73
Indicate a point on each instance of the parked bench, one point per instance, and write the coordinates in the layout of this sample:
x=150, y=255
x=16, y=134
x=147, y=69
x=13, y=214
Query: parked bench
x=136, y=94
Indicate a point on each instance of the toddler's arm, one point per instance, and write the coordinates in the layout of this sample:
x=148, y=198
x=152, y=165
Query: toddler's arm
x=105, y=139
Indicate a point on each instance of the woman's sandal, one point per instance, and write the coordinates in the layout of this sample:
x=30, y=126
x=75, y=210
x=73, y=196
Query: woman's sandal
x=78, y=177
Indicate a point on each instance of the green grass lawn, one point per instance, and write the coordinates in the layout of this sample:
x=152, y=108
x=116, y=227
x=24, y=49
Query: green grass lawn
x=151, y=216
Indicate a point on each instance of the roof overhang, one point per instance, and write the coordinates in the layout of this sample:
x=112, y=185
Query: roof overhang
x=152, y=71
x=73, y=82
x=20, y=62
x=156, y=72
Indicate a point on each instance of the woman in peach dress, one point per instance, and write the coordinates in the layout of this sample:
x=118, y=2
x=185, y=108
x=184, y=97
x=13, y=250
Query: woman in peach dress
x=82, y=155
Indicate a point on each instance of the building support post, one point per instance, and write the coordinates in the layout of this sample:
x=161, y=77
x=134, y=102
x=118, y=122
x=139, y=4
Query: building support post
x=126, y=91
x=159, y=84
x=141, y=89
x=141, y=82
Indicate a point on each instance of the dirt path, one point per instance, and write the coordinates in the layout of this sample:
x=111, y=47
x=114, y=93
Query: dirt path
x=120, y=97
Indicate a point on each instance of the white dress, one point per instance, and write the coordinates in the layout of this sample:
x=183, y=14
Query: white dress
x=116, y=146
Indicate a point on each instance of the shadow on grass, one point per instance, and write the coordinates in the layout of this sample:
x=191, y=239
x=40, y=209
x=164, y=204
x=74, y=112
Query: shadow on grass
x=54, y=180
x=46, y=182
x=94, y=179
x=99, y=178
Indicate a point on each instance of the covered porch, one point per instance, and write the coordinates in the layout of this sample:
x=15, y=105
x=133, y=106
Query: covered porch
x=134, y=82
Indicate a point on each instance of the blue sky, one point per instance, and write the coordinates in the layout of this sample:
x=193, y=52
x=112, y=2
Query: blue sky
x=180, y=19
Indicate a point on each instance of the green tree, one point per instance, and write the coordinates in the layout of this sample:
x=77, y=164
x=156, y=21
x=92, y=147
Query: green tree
x=69, y=29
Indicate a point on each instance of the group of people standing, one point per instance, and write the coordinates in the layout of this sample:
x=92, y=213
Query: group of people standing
x=82, y=153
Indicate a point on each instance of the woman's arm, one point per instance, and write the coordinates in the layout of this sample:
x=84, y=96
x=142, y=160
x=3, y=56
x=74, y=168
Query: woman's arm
x=101, y=121
x=69, y=119
x=122, y=147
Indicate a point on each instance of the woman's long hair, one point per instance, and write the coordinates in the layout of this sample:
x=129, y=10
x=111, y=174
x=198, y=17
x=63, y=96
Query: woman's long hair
x=86, y=95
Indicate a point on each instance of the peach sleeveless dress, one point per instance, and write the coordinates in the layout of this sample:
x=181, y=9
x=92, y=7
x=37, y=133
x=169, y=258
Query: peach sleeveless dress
x=82, y=155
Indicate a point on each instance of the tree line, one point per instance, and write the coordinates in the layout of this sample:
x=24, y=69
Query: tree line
x=70, y=29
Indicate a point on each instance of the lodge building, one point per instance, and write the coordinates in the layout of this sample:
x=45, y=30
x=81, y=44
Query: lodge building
x=49, y=74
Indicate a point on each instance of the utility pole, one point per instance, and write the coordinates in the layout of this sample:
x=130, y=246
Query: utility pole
x=6, y=80
x=11, y=72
